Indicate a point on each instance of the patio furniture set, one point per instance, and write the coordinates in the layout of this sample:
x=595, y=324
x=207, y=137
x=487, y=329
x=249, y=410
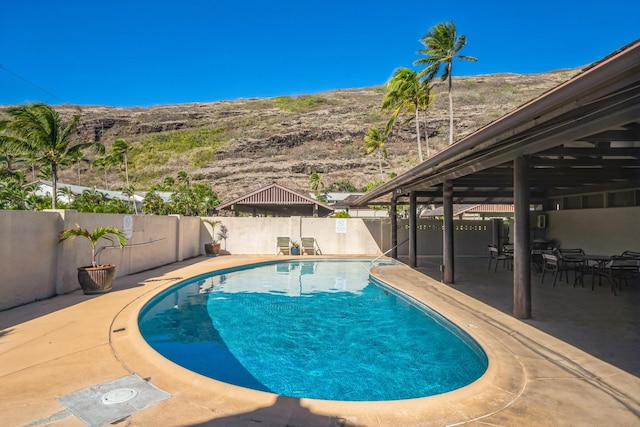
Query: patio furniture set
x=616, y=269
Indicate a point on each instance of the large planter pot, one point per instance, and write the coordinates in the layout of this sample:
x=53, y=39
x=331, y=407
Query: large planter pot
x=295, y=251
x=96, y=280
x=212, y=249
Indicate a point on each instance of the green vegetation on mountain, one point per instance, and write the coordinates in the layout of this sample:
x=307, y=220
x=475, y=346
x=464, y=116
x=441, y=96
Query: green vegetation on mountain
x=234, y=147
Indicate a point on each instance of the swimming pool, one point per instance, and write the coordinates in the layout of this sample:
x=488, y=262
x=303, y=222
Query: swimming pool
x=317, y=329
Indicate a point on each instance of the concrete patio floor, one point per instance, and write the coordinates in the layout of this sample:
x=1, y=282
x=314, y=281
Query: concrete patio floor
x=575, y=363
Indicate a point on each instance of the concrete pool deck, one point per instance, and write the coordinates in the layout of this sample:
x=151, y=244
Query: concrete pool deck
x=56, y=347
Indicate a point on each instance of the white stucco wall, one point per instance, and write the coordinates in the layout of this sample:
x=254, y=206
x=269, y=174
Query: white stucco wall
x=34, y=266
x=259, y=235
x=607, y=231
x=28, y=256
x=153, y=242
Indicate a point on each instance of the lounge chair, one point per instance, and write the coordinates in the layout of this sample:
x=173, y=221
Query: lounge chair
x=309, y=246
x=284, y=244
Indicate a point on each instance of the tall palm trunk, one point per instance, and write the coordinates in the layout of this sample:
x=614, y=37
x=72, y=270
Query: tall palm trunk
x=418, y=134
x=54, y=185
x=426, y=135
x=126, y=169
x=450, y=112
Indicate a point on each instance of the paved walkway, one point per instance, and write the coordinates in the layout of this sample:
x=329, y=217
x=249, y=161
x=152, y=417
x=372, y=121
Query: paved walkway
x=596, y=321
x=56, y=347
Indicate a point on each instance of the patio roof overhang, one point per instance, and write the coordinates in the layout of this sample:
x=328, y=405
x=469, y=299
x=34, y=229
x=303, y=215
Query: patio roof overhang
x=581, y=137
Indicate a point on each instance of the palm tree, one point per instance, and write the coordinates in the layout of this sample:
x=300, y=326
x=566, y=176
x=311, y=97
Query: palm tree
x=119, y=155
x=406, y=94
x=181, y=202
x=10, y=154
x=167, y=184
x=183, y=180
x=107, y=233
x=67, y=193
x=103, y=163
x=89, y=200
x=129, y=191
x=78, y=158
x=38, y=130
x=442, y=46
x=374, y=141
x=11, y=195
x=315, y=183
x=153, y=204
x=205, y=199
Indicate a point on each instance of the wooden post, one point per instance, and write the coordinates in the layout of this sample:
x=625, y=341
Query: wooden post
x=522, y=251
x=413, y=256
x=447, y=236
x=394, y=227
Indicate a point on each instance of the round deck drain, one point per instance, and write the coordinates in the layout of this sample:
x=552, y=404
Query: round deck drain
x=120, y=395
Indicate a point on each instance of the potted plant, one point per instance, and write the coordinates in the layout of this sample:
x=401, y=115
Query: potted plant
x=212, y=248
x=95, y=279
x=223, y=234
x=295, y=248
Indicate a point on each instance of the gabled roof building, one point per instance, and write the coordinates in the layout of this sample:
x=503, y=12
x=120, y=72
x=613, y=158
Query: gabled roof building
x=275, y=200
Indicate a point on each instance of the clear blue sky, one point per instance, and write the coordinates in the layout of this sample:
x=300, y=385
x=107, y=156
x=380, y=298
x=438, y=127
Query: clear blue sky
x=141, y=53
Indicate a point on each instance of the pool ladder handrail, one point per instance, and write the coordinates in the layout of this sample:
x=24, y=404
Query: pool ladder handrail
x=386, y=252
x=130, y=245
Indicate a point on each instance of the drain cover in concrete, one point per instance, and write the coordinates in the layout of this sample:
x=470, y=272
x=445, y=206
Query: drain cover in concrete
x=119, y=395
x=105, y=403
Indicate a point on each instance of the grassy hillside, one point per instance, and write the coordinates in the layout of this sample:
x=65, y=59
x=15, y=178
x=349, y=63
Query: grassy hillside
x=238, y=146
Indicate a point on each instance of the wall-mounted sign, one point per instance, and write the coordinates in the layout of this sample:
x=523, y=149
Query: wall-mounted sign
x=341, y=225
x=128, y=226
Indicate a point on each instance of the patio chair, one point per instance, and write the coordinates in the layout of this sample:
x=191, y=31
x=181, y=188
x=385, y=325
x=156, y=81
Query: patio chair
x=497, y=256
x=283, y=245
x=631, y=254
x=309, y=246
x=552, y=264
x=536, y=261
x=573, y=260
x=619, y=269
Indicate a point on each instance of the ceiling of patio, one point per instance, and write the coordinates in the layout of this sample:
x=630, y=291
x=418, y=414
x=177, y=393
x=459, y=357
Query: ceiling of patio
x=581, y=137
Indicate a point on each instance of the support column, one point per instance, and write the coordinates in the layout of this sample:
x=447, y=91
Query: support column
x=394, y=227
x=447, y=236
x=413, y=256
x=522, y=252
x=496, y=233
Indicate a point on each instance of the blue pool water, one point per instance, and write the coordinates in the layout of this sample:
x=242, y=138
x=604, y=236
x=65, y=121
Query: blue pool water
x=316, y=329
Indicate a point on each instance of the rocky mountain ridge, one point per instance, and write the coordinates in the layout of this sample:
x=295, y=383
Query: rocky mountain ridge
x=238, y=146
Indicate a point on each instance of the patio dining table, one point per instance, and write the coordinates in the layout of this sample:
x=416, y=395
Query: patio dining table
x=597, y=262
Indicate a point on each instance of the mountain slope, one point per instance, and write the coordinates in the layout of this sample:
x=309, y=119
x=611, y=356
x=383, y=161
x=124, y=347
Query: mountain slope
x=238, y=146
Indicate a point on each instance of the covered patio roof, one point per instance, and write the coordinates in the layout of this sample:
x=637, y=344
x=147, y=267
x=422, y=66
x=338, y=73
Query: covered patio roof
x=581, y=137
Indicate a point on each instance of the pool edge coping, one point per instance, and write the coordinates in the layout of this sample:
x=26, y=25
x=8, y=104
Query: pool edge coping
x=495, y=390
